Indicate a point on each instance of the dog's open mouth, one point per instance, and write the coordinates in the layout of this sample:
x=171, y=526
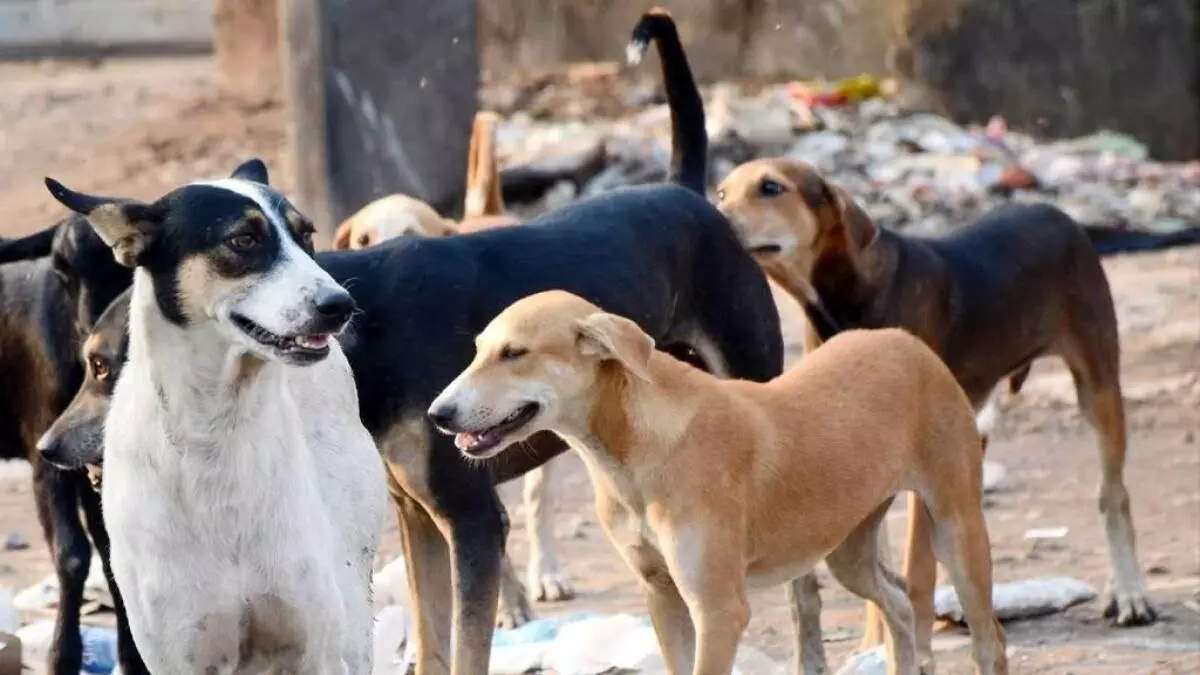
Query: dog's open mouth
x=313, y=344
x=766, y=250
x=479, y=442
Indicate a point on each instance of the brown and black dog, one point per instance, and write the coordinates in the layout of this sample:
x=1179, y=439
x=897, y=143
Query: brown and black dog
x=1021, y=283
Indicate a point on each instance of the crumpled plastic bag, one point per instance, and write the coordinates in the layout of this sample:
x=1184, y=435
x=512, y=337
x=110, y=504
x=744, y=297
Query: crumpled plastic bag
x=1023, y=599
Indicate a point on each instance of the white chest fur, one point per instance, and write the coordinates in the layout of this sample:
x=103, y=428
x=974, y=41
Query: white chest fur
x=244, y=513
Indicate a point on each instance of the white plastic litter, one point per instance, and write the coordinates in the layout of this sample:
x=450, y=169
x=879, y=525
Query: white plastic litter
x=393, y=650
x=10, y=619
x=1039, y=533
x=99, y=647
x=43, y=596
x=993, y=476
x=870, y=662
x=1024, y=599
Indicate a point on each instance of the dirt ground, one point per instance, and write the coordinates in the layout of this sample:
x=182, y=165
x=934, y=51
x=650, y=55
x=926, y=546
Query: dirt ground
x=139, y=127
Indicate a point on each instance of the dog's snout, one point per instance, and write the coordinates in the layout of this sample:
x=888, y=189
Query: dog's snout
x=50, y=447
x=443, y=415
x=335, y=306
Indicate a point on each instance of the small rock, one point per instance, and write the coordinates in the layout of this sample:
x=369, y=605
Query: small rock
x=1158, y=570
x=15, y=541
x=578, y=525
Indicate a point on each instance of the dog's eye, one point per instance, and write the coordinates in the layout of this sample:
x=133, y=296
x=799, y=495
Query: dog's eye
x=100, y=368
x=243, y=242
x=511, y=353
x=770, y=188
x=364, y=241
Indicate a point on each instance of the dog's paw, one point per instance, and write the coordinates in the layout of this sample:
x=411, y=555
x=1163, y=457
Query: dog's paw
x=551, y=586
x=512, y=616
x=1128, y=608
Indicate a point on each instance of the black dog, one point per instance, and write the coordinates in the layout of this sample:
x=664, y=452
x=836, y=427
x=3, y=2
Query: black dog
x=61, y=281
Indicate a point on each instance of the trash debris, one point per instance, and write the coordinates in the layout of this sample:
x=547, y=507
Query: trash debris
x=869, y=662
x=1025, y=599
x=914, y=171
x=1036, y=534
x=993, y=476
x=99, y=647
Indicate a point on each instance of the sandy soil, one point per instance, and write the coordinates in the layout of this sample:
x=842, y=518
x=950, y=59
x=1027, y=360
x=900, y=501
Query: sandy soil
x=139, y=127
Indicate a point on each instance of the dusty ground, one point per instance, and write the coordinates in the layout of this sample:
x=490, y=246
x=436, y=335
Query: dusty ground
x=139, y=127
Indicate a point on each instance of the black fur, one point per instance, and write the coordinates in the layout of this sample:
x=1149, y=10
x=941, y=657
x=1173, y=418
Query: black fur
x=54, y=298
x=689, y=137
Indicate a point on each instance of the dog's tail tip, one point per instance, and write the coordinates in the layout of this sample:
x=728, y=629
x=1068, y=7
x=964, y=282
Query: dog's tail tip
x=635, y=51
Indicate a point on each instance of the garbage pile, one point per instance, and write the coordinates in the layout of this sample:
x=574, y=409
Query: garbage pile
x=913, y=171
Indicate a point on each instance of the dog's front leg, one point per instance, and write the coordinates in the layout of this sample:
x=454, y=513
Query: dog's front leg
x=672, y=623
x=804, y=596
x=72, y=560
x=427, y=562
x=545, y=578
x=708, y=567
x=476, y=546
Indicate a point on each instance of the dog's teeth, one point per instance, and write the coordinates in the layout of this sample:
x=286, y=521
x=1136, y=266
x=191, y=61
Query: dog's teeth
x=317, y=341
x=465, y=440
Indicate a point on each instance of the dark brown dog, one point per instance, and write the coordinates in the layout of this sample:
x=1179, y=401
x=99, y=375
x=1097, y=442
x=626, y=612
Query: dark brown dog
x=1021, y=283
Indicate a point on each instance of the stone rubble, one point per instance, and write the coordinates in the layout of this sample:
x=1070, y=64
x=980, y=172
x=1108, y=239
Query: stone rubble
x=910, y=170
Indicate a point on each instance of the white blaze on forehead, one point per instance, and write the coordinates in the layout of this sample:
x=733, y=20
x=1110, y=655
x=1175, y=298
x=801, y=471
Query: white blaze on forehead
x=261, y=196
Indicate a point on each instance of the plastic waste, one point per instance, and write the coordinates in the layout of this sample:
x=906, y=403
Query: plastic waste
x=99, y=647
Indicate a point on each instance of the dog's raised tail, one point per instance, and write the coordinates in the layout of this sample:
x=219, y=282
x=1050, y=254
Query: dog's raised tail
x=1111, y=241
x=689, y=137
x=483, y=171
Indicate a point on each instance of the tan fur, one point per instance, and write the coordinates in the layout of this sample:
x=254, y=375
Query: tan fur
x=397, y=215
x=707, y=486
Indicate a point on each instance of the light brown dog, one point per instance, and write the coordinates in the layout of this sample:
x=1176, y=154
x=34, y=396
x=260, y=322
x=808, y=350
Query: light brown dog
x=398, y=215
x=1022, y=282
x=707, y=486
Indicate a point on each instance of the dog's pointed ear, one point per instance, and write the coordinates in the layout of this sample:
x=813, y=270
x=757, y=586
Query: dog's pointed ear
x=253, y=170
x=614, y=338
x=341, y=238
x=127, y=227
x=860, y=229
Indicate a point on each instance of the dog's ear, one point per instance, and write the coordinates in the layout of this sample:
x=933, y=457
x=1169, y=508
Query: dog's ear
x=341, y=238
x=253, y=170
x=127, y=227
x=860, y=229
x=611, y=337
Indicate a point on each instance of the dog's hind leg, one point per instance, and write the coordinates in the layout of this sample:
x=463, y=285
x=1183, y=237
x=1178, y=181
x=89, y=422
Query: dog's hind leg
x=545, y=578
x=804, y=598
x=427, y=561
x=476, y=548
x=127, y=652
x=920, y=576
x=1099, y=393
x=513, y=609
x=960, y=541
x=857, y=565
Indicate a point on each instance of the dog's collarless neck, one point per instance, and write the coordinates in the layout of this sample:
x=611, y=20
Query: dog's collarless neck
x=199, y=378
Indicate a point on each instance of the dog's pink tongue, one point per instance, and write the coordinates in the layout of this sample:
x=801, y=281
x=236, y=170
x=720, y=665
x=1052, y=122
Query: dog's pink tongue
x=465, y=440
x=316, y=341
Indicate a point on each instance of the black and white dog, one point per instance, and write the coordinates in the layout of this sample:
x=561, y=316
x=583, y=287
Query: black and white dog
x=244, y=497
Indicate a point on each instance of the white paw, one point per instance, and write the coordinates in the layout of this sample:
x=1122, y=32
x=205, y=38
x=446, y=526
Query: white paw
x=551, y=586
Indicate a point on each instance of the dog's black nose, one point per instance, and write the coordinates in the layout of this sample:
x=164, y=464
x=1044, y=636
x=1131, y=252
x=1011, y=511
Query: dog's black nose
x=443, y=416
x=335, y=306
x=50, y=448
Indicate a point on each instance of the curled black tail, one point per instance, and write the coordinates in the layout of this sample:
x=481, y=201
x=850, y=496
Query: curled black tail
x=689, y=138
x=36, y=245
x=1109, y=241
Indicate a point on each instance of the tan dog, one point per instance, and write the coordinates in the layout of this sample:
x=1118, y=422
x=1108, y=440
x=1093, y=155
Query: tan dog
x=1021, y=283
x=707, y=486
x=399, y=215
